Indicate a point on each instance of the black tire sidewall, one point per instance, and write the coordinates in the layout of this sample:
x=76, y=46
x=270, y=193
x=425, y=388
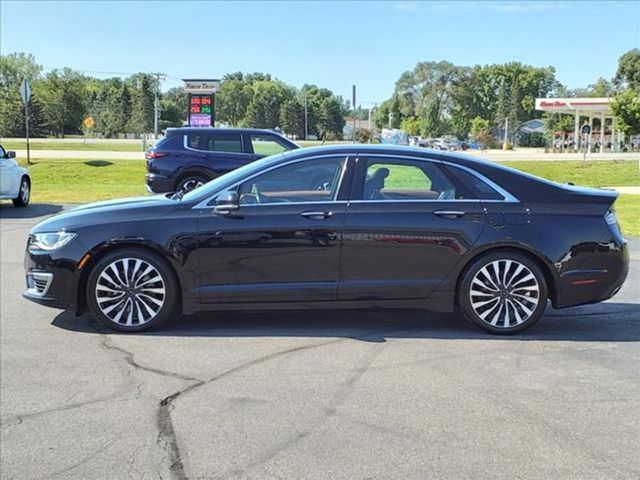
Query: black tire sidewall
x=171, y=298
x=475, y=266
x=18, y=202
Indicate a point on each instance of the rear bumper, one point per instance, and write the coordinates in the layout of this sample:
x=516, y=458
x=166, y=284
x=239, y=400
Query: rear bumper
x=158, y=183
x=593, y=285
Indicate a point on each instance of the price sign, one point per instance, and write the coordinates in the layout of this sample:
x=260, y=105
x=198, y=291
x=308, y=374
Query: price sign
x=201, y=110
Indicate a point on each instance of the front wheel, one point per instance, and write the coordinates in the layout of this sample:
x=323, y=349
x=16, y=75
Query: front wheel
x=24, y=195
x=503, y=292
x=132, y=290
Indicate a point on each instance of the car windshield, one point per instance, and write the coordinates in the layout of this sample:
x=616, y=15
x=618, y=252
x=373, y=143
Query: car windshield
x=230, y=178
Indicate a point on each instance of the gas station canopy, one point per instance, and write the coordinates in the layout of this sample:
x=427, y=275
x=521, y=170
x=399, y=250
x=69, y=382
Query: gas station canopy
x=587, y=108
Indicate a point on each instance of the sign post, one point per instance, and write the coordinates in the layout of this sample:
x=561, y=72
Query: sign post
x=586, y=140
x=353, y=103
x=25, y=93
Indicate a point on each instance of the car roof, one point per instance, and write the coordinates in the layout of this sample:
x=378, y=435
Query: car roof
x=179, y=130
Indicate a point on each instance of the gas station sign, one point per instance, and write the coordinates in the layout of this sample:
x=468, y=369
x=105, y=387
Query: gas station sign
x=201, y=110
x=201, y=101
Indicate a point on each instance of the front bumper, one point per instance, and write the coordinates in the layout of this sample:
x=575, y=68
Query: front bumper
x=52, y=278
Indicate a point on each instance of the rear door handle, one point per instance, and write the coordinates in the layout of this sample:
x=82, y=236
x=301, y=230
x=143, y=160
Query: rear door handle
x=449, y=213
x=316, y=215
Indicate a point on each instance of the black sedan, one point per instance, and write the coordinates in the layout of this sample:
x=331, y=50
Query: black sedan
x=344, y=226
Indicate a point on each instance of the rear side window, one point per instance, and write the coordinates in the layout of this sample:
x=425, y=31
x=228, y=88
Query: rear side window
x=225, y=142
x=219, y=142
x=481, y=189
x=169, y=143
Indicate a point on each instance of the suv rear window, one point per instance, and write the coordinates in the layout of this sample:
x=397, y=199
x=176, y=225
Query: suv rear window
x=219, y=142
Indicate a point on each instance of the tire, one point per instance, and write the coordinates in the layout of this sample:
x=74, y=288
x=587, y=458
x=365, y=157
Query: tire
x=503, y=293
x=24, y=194
x=190, y=182
x=123, y=299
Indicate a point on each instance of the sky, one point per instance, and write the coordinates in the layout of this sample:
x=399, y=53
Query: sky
x=331, y=44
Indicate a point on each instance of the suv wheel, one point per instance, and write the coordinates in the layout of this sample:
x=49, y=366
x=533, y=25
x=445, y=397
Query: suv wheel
x=132, y=290
x=190, y=182
x=503, y=292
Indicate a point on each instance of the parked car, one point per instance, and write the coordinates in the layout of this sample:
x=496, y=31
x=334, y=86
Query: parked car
x=15, y=181
x=393, y=225
x=189, y=157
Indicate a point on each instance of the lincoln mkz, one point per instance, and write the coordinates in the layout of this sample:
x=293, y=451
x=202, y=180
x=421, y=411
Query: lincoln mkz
x=342, y=227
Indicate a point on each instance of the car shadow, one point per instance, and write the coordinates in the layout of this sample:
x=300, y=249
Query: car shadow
x=33, y=210
x=607, y=322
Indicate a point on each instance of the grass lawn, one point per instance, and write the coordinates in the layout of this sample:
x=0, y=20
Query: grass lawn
x=76, y=181
x=94, y=146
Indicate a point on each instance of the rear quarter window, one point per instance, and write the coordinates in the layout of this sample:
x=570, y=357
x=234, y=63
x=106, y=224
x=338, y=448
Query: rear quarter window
x=481, y=189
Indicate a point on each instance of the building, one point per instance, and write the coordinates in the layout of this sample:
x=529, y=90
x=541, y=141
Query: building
x=585, y=111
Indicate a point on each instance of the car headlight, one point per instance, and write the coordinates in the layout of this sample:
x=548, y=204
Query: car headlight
x=50, y=240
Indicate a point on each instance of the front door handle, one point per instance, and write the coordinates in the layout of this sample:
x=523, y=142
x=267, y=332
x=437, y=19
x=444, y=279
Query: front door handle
x=316, y=215
x=449, y=213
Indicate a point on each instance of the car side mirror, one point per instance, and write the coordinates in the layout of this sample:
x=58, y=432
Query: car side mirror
x=11, y=154
x=226, y=203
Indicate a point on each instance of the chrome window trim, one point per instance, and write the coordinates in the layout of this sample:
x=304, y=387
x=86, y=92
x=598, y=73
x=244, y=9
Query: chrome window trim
x=187, y=147
x=508, y=197
x=205, y=203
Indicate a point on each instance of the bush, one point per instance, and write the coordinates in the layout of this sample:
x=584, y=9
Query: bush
x=531, y=139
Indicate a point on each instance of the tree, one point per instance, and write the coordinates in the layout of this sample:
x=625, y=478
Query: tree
x=626, y=108
x=481, y=130
x=628, y=73
x=330, y=119
x=14, y=68
x=264, y=108
x=142, y=111
x=411, y=125
x=64, y=101
x=292, y=117
x=173, y=106
x=233, y=98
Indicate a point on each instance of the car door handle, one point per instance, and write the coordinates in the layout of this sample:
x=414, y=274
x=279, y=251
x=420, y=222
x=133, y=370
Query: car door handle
x=316, y=215
x=449, y=213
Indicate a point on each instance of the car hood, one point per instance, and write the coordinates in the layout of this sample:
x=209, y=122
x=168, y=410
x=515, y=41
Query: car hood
x=109, y=211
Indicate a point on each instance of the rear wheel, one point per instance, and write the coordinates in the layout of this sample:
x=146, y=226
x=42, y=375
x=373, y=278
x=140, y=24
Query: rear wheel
x=24, y=195
x=190, y=182
x=503, y=292
x=132, y=290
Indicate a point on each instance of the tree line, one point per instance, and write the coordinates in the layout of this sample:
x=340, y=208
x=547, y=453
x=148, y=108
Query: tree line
x=62, y=99
x=440, y=98
x=433, y=99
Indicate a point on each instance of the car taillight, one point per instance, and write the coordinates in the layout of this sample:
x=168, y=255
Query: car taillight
x=153, y=155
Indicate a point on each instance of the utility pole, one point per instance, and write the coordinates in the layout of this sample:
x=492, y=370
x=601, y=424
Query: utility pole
x=306, y=121
x=156, y=105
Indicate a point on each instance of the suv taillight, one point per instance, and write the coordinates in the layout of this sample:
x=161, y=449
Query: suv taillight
x=152, y=155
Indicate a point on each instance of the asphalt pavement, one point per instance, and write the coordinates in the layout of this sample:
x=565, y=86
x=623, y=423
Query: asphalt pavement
x=374, y=394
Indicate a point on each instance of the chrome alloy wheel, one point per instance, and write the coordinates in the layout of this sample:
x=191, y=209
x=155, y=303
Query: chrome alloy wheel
x=191, y=185
x=504, y=293
x=130, y=291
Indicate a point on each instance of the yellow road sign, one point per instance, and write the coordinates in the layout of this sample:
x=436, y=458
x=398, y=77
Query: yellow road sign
x=88, y=122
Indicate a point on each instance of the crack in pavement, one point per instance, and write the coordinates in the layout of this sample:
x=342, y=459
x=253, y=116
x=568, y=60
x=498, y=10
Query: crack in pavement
x=166, y=434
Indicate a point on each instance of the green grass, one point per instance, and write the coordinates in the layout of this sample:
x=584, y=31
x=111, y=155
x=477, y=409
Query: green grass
x=93, y=146
x=77, y=181
x=603, y=173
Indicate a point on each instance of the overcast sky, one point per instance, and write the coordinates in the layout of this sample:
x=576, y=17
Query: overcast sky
x=332, y=44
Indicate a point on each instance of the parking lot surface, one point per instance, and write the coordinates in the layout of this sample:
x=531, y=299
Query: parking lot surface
x=316, y=394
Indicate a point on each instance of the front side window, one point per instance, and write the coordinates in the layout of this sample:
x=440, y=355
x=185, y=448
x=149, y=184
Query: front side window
x=306, y=181
x=406, y=180
x=266, y=145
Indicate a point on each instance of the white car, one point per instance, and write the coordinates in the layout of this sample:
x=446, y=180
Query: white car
x=15, y=181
